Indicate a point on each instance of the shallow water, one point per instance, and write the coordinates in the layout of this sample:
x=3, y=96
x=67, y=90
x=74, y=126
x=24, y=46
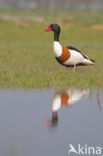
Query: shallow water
x=46, y=122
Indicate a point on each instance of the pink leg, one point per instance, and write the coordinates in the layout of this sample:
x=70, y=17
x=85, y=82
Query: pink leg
x=74, y=68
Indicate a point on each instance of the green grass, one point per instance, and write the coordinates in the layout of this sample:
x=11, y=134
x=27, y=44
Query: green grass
x=27, y=59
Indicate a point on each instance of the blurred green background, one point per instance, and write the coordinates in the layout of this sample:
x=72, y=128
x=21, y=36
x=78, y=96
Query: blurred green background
x=26, y=55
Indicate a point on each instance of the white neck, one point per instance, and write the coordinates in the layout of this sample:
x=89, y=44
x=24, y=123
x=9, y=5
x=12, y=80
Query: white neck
x=57, y=48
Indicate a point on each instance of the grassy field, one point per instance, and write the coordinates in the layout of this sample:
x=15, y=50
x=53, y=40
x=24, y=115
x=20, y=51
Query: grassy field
x=26, y=56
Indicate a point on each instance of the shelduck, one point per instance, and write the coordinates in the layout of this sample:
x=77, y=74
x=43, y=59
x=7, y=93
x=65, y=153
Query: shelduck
x=67, y=55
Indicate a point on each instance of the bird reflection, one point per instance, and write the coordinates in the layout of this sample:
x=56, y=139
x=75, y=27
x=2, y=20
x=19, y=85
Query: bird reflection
x=64, y=98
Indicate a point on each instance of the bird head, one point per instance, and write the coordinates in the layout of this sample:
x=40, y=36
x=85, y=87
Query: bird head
x=53, y=27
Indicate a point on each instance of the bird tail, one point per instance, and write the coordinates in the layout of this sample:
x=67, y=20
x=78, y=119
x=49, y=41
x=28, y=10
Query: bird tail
x=92, y=60
x=88, y=62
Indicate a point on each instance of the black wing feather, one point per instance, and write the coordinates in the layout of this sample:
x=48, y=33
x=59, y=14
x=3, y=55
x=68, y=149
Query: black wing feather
x=72, y=48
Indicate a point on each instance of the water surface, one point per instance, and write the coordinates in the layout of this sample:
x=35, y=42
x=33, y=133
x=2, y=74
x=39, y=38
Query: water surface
x=45, y=122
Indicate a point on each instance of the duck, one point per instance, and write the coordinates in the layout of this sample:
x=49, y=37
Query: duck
x=67, y=56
